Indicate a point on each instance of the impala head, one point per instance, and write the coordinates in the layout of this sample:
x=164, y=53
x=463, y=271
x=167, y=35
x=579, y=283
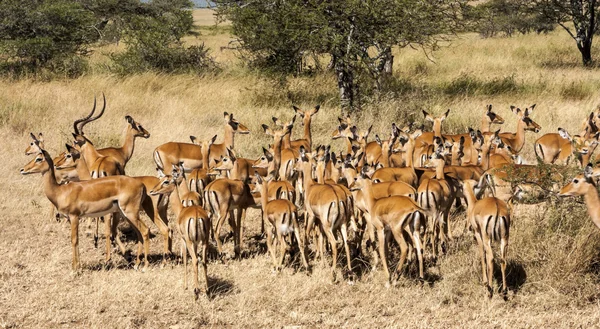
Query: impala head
x=264, y=160
x=282, y=124
x=524, y=116
x=581, y=184
x=437, y=121
x=40, y=164
x=343, y=130
x=227, y=162
x=68, y=159
x=478, y=187
x=261, y=182
x=205, y=150
x=32, y=148
x=166, y=185
x=279, y=133
x=438, y=156
x=363, y=179
x=139, y=130
x=492, y=117
x=237, y=127
x=306, y=115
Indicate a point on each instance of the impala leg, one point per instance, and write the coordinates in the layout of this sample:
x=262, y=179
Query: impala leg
x=503, y=253
x=344, y=230
x=482, y=255
x=320, y=247
x=416, y=234
x=143, y=234
x=223, y=210
x=204, y=269
x=113, y=220
x=240, y=216
x=301, y=244
x=185, y=272
x=399, y=237
x=382, y=255
x=158, y=215
x=108, y=235
x=489, y=255
x=75, y=242
x=270, y=247
x=193, y=250
x=282, y=249
x=334, y=251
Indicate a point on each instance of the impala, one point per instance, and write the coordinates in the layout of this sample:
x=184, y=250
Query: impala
x=489, y=219
x=92, y=198
x=324, y=203
x=172, y=153
x=585, y=184
x=396, y=214
x=193, y=224
x=283, y=216
x=154, y=206
x=436, y=196
x=122, y=154
x=561, y=147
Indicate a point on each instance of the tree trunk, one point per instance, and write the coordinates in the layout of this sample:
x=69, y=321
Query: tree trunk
x=586, y=53
x=346, y=86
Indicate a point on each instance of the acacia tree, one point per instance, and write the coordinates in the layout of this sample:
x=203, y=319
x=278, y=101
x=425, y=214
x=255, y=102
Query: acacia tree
x=584, y=16
x=358, y=35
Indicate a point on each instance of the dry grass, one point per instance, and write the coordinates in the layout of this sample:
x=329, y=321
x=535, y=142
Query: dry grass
x=553, y=249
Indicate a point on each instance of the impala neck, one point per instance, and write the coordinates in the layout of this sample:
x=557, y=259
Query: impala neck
x=307, y=178
x=520, y=135
x=320, y=171
x=368, y=195
x=410, y=150
x=129, y=144
x=264, y=196
x=335, y=174
x=51, y=186
x=234, y=172
x=437, y=128
x=592, y=201
x=228, y=137
x=89, y=152
x=348, y=145
x=277, y=153
x=286, y=141
x=176, y=201
x=485, y=124
x=307, y=134
x=439, y=169
x=83, y=171
x=183, y=188
x=471, y=199
x=485, y=157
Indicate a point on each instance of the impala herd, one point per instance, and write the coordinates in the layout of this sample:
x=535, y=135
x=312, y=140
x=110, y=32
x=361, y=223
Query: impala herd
x=401, y=186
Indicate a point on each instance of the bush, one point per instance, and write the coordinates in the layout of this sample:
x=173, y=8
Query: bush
x=468, y=85
x=45, y=35
x=154, y=42
x=508, y=17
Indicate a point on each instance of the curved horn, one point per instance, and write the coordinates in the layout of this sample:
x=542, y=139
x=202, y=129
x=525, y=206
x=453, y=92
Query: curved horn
x=96, y=117
x=75, y=127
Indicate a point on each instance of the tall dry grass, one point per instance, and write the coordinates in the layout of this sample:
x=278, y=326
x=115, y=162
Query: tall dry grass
x=553, y=248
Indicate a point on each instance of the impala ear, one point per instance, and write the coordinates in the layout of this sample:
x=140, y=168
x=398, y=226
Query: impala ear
x=445, y=115
x=259, y=178
x=316, y=109
x=71, y=149
x=160, y=172
x=212, y=140
x=532, y=107
x=267, y=130
x=427, y=116
x=194, y=139
x=564, y=134
x=489, y=108
x=298, y=110
x=40, y=138
x=378, y=140
x=129, y=120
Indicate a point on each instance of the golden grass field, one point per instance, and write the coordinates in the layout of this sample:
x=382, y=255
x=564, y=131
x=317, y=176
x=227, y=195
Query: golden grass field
x=553, y=253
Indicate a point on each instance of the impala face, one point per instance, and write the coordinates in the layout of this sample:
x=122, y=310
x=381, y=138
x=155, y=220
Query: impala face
x=35, y=166
x=139, y=130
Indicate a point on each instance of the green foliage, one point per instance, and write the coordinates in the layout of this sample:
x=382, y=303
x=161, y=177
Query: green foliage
x=508, y=17
x=279, y=36
x=45, y=35
x=154, y=43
